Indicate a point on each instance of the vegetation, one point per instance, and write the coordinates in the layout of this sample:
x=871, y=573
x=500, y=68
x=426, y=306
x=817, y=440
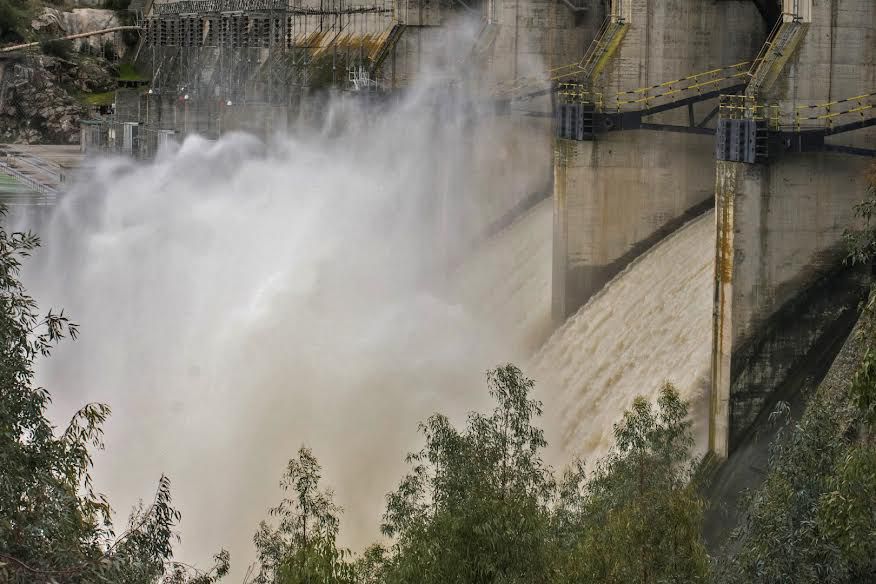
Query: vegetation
x=642, y=513
x=814, y=518
x=53, y=525
x=63, y=49
x=302, y=548
x=862, y=241
x=97, y=99
x=475, y=506
x=127, y=72
x=478, y=504
x=14, y=20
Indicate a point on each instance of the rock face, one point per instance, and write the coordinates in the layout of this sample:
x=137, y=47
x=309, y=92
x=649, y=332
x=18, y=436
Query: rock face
x=34, y=105
x=57, y=23
x=41, y=94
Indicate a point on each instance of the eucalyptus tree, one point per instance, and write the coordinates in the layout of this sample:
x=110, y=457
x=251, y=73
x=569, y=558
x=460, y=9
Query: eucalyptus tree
x=638, y=517
x=302, y=547
x=54, y=526
x=475, y=505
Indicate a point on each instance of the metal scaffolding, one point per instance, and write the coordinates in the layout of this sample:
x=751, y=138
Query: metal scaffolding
x=255, y=51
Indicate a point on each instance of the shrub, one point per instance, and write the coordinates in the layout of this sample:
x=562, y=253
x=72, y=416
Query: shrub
x=57, y=48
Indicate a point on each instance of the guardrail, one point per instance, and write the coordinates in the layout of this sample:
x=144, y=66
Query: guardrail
x=817, y=116
x=28, y=181
x=666, y=92
x=218, y=6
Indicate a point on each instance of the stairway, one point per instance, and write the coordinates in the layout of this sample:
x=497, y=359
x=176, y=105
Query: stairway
x=602, y=48
x=761, y=141
x=485, y=40
x=774, y=55
x=386, y=47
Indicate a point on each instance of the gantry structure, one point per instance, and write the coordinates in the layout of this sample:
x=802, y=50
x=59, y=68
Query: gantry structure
x=255, y=51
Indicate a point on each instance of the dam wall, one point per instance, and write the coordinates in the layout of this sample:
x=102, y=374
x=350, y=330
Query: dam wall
x=781, y=220
x=272, y=66
x=520, y=43
x=619, y=193
x=508, y=157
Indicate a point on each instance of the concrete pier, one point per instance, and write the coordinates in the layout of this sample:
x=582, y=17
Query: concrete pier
x=616, y=195
x=780, y=224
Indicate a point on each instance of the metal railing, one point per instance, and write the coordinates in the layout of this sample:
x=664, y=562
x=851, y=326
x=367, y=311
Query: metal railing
x=585, y=67
x=217, y=6
x=613, y=26
x=774, y=52
x=817, y=116
x=829, y=113
x=27, y=181
x=666, y=92
x=745, y=107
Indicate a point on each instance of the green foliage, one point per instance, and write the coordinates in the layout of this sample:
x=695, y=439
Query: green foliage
x=14, y=19
x=640, y=516
x=98, y=99
x=814, y=518
x=779, y=539
x=847, y=510
x=57, y=48
x=475, y=506
x=108, y=50
x=127, y=72
x=862, y=242
x=863, y=389
x=53, y=526
x=302, y=547
x=481, y=506
x=180, y=573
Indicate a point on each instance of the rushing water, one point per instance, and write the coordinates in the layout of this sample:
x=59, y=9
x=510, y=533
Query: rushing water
x=651, y=324
x=238, y=299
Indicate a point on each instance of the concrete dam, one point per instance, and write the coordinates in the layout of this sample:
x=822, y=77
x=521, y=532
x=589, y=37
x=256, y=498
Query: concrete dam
x=638, y=115
x=627, y=192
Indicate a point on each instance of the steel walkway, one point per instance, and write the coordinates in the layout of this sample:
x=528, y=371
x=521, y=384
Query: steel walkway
x=582, y=114
x=751, y=132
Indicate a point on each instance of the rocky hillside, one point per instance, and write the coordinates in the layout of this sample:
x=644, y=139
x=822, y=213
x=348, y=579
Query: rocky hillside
x=45, y=91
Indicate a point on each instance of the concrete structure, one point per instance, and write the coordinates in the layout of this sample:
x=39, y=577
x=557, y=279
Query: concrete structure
x=520, y=42
x=198, y=49
x=780, y=224
x=42, y=169
x=619, y=193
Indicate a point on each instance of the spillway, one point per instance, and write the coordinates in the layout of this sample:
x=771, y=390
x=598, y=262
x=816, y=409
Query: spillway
x=650, y=324
x=235, y=303
x=507, y=280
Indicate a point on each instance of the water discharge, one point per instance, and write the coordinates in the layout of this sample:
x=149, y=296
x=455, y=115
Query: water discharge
x=651, y=324
x=238, y=298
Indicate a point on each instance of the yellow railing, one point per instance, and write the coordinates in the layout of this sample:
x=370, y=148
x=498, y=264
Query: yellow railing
x=596, y=50
x=827, y=113
x=801, y=117
x=697, y=83
x=771, y=39
x=746, y=107
x=644, y=97
x=580, y=93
